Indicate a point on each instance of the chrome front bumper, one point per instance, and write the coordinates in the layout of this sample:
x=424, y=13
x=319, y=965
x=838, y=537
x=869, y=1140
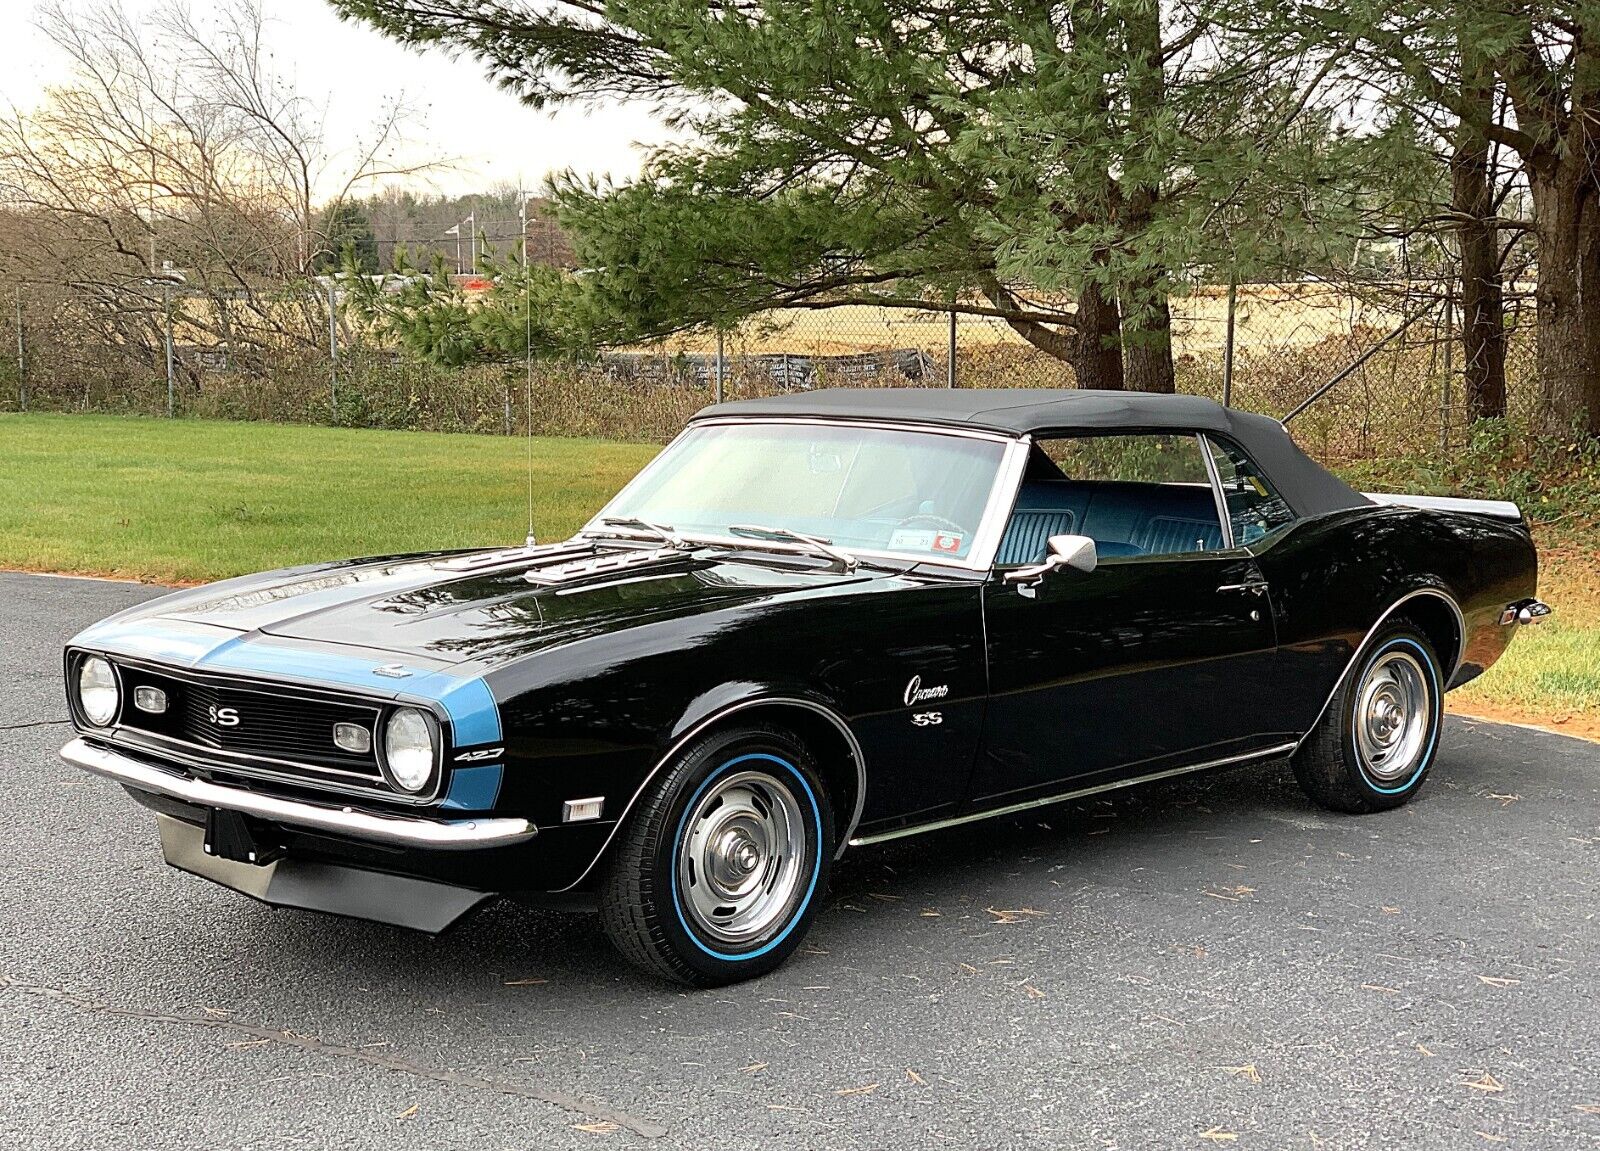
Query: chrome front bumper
x=399, y=830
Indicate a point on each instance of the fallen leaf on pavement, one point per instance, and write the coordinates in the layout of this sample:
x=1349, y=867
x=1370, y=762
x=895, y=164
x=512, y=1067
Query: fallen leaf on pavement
x=1244, y=1071
x=1218, y=1135
x=915, y=1078
x=1017, y=915
x=1496, y=981
x=868, y=1089
x=1489, y=1085
x=408, y=1112
x=605, y=1127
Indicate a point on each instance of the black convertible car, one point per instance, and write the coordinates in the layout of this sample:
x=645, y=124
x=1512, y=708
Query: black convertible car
x=812, y=623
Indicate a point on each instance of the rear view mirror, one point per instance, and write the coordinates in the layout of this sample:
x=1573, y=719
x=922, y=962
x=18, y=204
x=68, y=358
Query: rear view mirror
x=1076, y=552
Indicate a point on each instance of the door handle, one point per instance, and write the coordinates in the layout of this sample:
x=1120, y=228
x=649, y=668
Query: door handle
x=1252, y=587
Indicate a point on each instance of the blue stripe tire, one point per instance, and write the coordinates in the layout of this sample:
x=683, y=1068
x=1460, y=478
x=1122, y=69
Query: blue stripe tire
x=1331, y=766
x=642, y=901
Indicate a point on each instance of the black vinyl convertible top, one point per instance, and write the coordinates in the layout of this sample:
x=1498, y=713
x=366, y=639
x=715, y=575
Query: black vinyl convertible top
x=1307, y=486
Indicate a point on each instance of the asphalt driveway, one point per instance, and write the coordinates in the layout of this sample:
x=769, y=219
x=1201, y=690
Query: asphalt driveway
x=1206, y=963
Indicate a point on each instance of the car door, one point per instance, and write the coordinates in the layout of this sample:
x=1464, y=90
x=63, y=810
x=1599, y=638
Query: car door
x=1163, y=656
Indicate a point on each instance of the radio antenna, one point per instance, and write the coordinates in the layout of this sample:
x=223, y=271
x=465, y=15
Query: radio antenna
x=527, y=349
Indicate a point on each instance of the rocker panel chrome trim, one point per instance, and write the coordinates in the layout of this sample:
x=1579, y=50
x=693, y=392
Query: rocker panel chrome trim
x=717, y=716
x=1062, y=797
x=402, y=830
x=1455, y=663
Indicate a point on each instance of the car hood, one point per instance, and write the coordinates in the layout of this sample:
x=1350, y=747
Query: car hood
x=446, y=610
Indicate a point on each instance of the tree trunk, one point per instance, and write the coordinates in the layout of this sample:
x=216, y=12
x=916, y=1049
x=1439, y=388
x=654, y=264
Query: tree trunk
x=1148, y=336
x=1146, y=314
x=1092, y=345
x=1097, y=341
x=1483, y=332
x=1568, y=329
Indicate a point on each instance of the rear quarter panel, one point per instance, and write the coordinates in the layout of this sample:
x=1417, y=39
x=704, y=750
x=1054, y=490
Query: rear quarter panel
x=1334, y=577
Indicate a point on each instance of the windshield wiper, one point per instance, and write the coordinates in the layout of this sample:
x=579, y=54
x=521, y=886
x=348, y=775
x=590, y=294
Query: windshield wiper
x=844, y=559
x=663, y=532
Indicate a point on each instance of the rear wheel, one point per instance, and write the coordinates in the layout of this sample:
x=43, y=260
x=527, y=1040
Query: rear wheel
x=719, y=872
x=1374, y=745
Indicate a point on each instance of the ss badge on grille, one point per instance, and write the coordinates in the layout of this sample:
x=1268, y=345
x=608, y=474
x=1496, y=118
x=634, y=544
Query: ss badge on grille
x=223, y=716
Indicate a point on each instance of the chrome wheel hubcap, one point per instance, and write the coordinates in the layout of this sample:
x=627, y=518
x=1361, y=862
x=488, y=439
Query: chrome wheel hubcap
x=1394, y=707
x=742, y=858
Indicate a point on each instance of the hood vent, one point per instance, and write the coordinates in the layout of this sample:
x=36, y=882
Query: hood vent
x=599, y=565
x=510, y=557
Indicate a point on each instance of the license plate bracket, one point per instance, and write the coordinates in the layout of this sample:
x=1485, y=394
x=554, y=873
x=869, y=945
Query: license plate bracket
x=230, y=835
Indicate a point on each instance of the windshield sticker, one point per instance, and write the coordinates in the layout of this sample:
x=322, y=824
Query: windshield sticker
x=911, y=540
x=924, y=540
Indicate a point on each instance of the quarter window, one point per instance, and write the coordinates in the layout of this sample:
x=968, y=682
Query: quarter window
x=1255, y=508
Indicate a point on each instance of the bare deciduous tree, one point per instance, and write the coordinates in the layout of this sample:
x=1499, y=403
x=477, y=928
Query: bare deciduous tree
x=176, y=148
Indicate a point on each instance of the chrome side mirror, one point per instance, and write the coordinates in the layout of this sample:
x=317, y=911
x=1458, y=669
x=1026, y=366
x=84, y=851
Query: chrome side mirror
x=1076, y=552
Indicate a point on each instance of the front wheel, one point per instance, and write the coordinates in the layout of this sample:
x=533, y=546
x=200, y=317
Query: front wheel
x=1374, y=745
x=719, y=872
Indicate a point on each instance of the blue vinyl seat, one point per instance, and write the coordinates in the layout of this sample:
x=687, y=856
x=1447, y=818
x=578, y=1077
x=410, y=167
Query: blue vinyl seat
x=1123, y=519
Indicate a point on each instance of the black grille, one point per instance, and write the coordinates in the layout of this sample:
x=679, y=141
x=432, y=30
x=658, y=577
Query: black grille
x=269, y=724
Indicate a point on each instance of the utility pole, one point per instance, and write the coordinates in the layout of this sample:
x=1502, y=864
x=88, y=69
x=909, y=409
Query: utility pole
x=1227, y=341
x=22, y=357
x=950, y=367
x=172, y=403
x=333, y=349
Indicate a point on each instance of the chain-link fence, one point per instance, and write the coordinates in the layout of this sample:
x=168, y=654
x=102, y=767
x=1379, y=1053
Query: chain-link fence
x=164, y=348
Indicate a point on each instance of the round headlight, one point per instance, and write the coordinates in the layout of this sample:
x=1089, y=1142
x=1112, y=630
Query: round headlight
x=408, y=749
x=98, y=693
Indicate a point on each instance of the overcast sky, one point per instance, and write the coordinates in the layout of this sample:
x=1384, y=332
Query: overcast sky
x=354, y=69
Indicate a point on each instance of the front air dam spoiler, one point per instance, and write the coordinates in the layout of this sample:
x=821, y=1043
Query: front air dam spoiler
x=420, y=904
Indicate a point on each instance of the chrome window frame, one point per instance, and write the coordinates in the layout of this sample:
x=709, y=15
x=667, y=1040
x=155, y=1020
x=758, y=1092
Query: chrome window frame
x=985, y=539
x=1222, y=497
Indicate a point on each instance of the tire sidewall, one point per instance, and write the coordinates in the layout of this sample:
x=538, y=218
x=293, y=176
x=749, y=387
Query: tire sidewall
x=787, y=762
x=1391, y=793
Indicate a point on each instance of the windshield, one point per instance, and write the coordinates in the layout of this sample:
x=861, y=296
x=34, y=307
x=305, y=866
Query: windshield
x=917, y=494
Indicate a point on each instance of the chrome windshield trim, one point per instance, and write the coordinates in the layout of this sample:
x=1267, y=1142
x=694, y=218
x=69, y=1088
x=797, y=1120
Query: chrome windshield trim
x=401, y=830
x=1218, y=496
x=1062, y=797
x=985, y=540
x=855, y=422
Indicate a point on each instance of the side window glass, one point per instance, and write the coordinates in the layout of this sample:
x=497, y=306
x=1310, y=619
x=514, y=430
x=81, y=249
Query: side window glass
x=1136, y=496
x=1254, y=505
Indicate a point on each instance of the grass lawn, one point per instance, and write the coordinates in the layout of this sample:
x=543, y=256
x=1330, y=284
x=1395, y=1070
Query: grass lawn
x=192, y=500
x=1551, y=674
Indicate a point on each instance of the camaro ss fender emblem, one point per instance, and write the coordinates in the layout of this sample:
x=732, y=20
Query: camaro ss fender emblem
x=916, y=693
x=480, y=754
x=223, y=716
